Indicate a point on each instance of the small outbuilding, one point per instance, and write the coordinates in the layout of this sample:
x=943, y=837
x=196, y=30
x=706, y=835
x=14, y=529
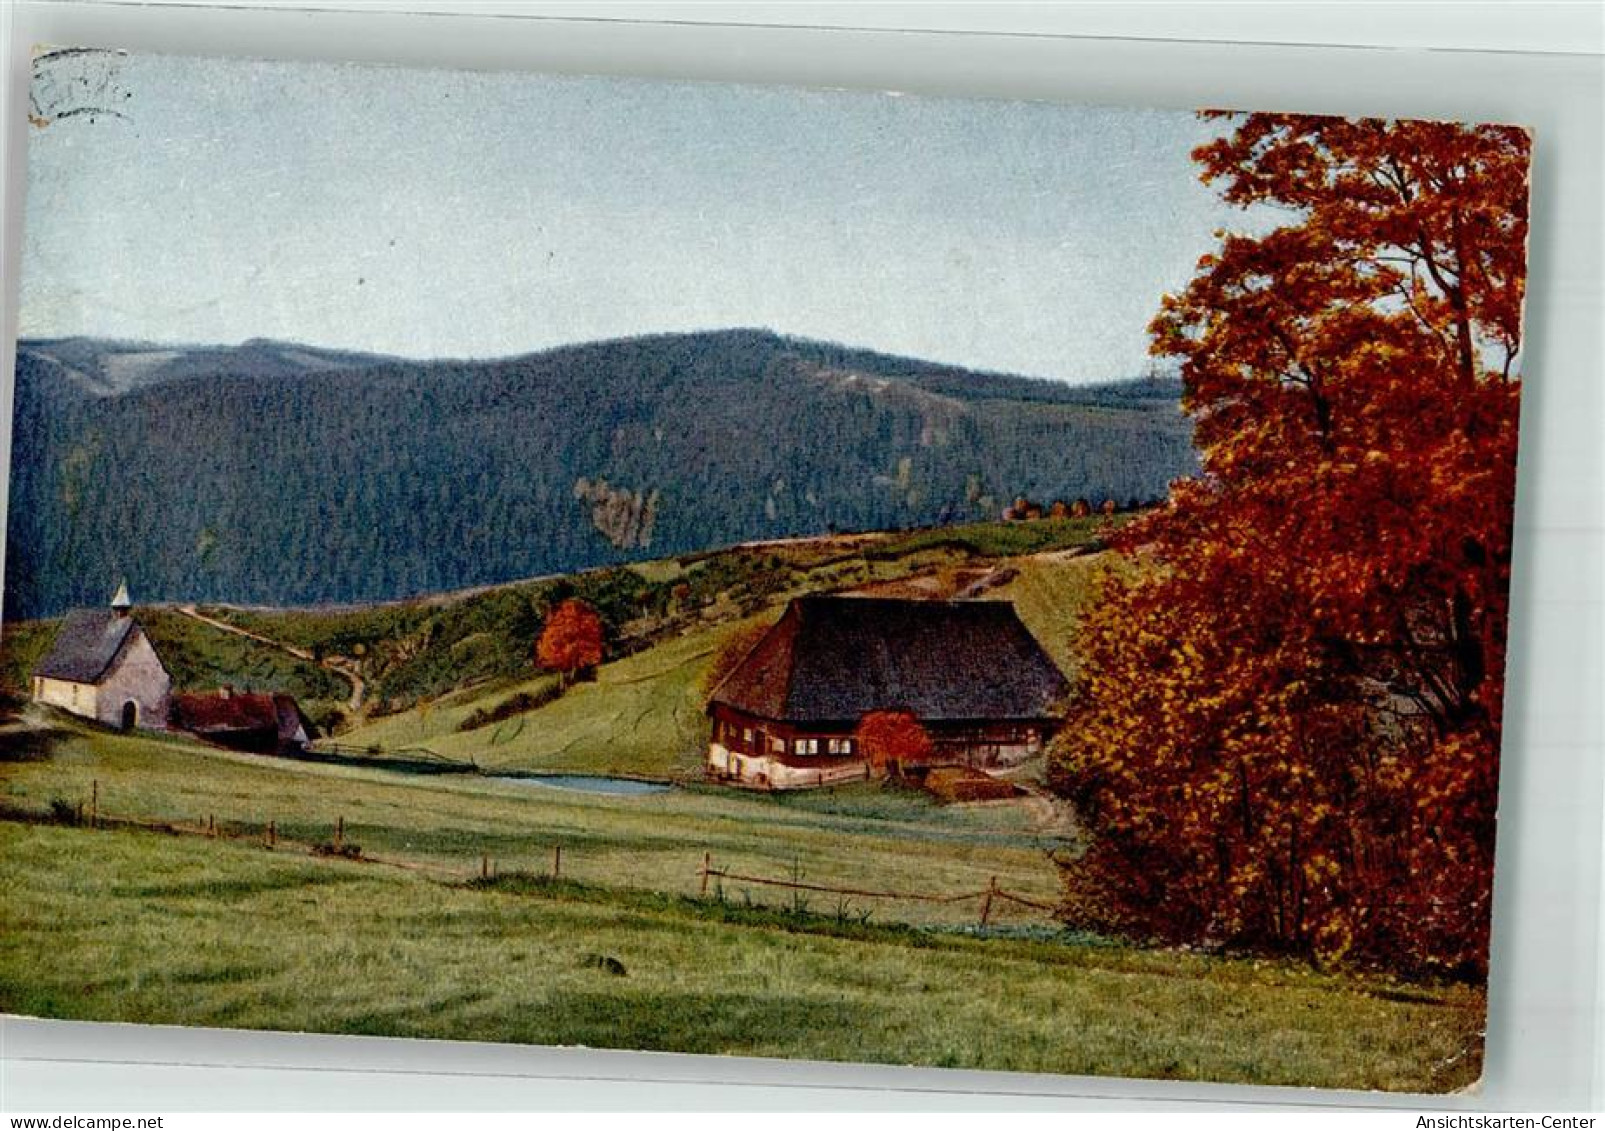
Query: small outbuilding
x=976, y=680
x=255, y=723
x=102, y=666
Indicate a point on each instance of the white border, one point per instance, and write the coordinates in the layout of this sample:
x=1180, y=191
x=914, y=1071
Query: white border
x=1537, y=65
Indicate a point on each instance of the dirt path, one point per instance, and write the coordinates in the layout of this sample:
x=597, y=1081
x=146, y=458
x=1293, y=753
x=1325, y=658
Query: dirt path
x=343, y=666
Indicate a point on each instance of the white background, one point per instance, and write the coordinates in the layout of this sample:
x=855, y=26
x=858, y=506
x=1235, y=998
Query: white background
x=1541, y=65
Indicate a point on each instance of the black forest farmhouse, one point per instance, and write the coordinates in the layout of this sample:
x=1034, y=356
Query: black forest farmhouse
x=985, y=692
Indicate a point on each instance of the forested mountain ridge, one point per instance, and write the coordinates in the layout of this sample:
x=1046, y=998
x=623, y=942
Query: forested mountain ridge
x=278, y=474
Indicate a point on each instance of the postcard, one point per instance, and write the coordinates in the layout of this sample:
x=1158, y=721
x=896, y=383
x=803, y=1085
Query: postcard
x=757, y=571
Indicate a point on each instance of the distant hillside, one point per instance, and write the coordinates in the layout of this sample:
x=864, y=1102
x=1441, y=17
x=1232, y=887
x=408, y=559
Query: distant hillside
x=107, y=368
x=473, y=651
x=273, y=473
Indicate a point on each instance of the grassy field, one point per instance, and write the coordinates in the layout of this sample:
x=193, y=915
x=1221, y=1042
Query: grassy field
x=627, y=949
x=183, y=929
x=857, y=836
x=644, y=716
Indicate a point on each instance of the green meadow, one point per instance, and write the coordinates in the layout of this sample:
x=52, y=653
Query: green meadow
x=860, y=836
x=625, y=950
x=641, y=716
x=488, y=906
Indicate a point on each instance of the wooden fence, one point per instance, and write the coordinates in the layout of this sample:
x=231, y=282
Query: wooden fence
x=987, y=895
x=92, y=815
x=407, y=759
x=89, y=813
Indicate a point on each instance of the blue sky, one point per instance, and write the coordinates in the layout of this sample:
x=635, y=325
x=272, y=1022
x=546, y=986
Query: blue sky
x=456, y=214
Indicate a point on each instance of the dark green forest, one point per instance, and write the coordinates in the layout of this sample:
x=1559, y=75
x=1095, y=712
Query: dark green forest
x=277, y=474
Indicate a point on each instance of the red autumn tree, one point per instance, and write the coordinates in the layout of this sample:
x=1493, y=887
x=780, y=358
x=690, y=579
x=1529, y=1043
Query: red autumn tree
x=891, y=740
x=1288, y=721
x=571, y=641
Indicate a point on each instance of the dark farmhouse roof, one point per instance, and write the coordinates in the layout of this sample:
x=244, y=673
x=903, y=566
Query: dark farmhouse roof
x=834, y=659
x=85, y=646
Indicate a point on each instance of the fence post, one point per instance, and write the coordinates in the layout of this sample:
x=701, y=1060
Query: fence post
x=211, y=824
x=339, y=832
x=484, y=867
x=986, y=900
x=707, y=866
x=273, y=834
x=557, y=861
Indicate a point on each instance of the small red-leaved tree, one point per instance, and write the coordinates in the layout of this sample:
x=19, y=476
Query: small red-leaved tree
x=571, y=642
x=891, y=740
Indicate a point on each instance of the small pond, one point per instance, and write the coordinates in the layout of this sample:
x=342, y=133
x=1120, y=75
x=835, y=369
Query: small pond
x=588, y=784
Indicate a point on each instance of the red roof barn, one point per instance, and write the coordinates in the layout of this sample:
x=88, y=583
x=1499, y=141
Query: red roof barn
x=260, y=724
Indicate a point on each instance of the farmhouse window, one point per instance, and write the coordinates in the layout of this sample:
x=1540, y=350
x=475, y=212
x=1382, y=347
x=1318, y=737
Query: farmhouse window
x=777, y=745
x=839, y=745
x=805, y=746
x=746, y=736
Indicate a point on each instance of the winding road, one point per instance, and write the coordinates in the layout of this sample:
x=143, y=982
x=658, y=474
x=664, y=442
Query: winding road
x=343, y=666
